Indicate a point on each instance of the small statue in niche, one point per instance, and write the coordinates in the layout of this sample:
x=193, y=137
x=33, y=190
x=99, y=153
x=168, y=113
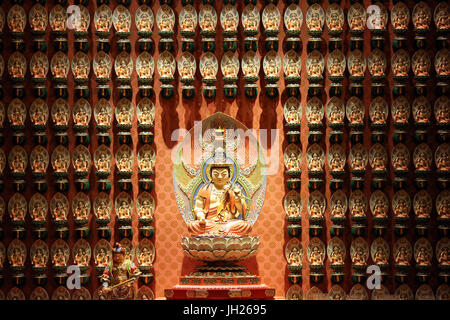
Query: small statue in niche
x=39, y=113
x=103, y=113
x=358, y=292
x=17, y=253
x=123, y=66
x=443, y=292
x=421, y=16
x=121, y=19
x=271, y=17
x=39, y=294
x=401, y=204
x=165, y=18
x=380, y=251
x=442, y=252
x=229, y=18
x=39, y=159
x=356, y=18
x=58, y=18
x=38, y=207
x=293, y=204
x=145, y=293
x=400, y=64
x=443, y=205
x=187, y=66
x=292, y=65
x=315, y=18
x=81, y=253
x=378, y=21
x=251, y=65
x=355, y=111
x=294, y=252
x=314, y=111
x=400, y=110
x=146, y=159
x=403, y=292
x=59, y=207
x=359, y=252
x=425, y=292
x=250, y=18
x=124, y=158
x=378, y=157
x=103, y=159
x=37, y=18
x=60, y=159
x=293, y=18
x=124, y=112
x=400, y=158
x=421, y=63
x=188, y=19
x=356, y=64
x=336, y=252
x=60, y=253
x=145, y=205
x=316, y=252
x=103, y=18
x=102, y=253
x=39, y=254
x=145, y=253
x=81, y=206
x=61, y=293
x=292, y=158
x=402, y=252
x=85, y=21
x=423, y=204
x=421, y=110
x=123, y=205
x=315, y=64
x=377, y=63
x=145, y=112
x=39, y=66
x=338, y=204
x=207, y=18
x=166, y=65
x=81, y=159
x=102, y=66
x=336, y=159
x=144, y=19
x=336, y=64
x=17, y=113
x=81, y=66
x=335, y=111
x=358, y=158
x=423, y=252
x=379, y=204
x=378, y=111
x=17, y=65
x=18, y=160
x=400, y=17
x=316, y=205
x=358, y=204
x=17, y=19
x=335, y=18
x=442, y=110
x=208, y=66
x=441, y=17
x=229, y=66
x=442, y=63
x=315, y=157
x=272, y=64
x=292, y=111
x=442, y=157
x=103, y=207
x=423, y=157
x=60, y=65
x=17, y=207
x=81, y=113
x=60, y=113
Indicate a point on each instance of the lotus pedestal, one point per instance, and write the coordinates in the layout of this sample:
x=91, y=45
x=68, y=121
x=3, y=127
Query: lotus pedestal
x=220, y=277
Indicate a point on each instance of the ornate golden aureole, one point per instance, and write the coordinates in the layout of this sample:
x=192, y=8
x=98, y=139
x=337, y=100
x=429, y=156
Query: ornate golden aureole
x=220, y=192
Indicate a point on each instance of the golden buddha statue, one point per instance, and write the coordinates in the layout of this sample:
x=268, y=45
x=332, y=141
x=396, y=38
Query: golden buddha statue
x=218, y=205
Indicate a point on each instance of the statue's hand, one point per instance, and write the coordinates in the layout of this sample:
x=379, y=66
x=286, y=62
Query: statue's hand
x=106, y=290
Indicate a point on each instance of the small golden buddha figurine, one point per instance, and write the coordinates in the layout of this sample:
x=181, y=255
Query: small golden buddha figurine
x=336, y=257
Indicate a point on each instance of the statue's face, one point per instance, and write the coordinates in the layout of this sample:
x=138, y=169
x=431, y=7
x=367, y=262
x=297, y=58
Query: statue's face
x=220, y=176
x=118, y=257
